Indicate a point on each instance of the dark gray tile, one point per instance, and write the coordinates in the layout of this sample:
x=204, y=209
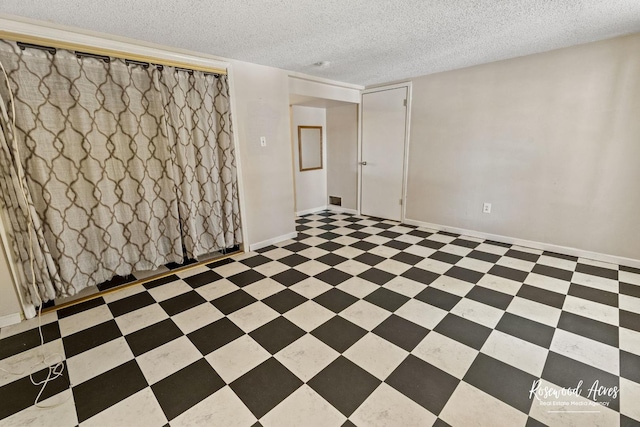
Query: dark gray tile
x=151, y=337
x=245, y=278
x=296, y=247
x=597, y=271
x=335, y=300
x=526, y=329
x=525, y=256
x=630, y=366
x=423, y=383
x=331, y=259
x=187, y=387
x=374, y=275
x=129, y=304
x=396, y=244
x=465, y=243
x=284, y=301
x=490, y=297
x=630, y=320
x=629, y=289
x=542, y=296
x=338, y=333
x=289, y=277
x=419, y=233
x=565, y=372
x=256, y=261
x=329, y=246
x=464, y=274
x=484, y=256
x=182, y=302
x=224, y=261
x=387, y=299
x=277, y=334
x=445, y=257
x=592, y=294
x=508, y=273
x=358, y=235
x=389, y=234
x=590, y=328
x=369, y=259
x=270, y=375
x=202, y=279
x=344, y=385
x=215, y=335
x=629, y=269
x=448, y=233
x=328, y=235
x=463, y=330
x=501, y=381
x=293, y=260
x=91, y=337
x=27, y=340
x=333, y=276
x=401, y=332
x=162, y=281
x=561, y=256
x=363, y=246
x=495, y=243
x=107, y=389
x=80, y=307
x=419, y=275
x=438, y=298
x=407, y=258
x=428, y=243
x=554, y=272
x=628, y=422
x=234, y=301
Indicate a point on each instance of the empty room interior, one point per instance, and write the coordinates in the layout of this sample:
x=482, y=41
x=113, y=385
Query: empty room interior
x=300, y=213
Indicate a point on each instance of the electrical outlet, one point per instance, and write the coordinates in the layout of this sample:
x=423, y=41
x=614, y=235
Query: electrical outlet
x=486, y=208
x=263, y=141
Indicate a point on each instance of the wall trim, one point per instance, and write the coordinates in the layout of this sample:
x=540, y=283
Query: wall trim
x=10, y=319
x=273, y=241
x=312, y=210
x=582, y=253
x=342, y=210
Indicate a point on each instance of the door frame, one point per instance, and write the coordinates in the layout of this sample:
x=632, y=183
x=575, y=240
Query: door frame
x=407, y=132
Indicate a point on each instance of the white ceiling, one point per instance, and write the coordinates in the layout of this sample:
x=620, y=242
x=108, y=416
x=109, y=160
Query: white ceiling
x=366, y=41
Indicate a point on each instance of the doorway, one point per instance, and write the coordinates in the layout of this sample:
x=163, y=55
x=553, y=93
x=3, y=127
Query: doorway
x=383, y=151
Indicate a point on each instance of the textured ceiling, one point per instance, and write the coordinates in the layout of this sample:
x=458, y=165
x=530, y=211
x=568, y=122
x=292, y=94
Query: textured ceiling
x=366, y=41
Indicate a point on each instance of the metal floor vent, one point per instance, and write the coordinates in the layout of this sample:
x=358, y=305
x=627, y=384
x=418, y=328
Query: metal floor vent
x=335, y=200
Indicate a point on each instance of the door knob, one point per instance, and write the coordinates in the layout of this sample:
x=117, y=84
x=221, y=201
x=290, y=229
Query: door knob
x=363, y=163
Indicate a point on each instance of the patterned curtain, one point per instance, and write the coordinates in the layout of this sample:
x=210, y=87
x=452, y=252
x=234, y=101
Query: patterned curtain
x=128, y=167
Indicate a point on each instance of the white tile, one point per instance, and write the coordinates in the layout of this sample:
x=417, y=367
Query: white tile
x=20, y=365
x=163, y=361
x=222, y=409
x=393, y=266
x=386, y=407
x=352, y=267
x=480, y=409
x=313, y=252
x=277, y=253
x=443, y=238
x=216, y=289
x=376, y=355
x=84, y=319
x=433, y=265
x=629, y=398
x=500, y=284
x=312, y=267
x=264, y=288
x=271, y=268
x=527, y=250
x=407, y=238
x=306, y=357
x=310, y=287
x=141, y=318
x=598, y=263
x=196, y=317
x=192, y=271
x=532, y=310
x=492, y=249
x=569, y=410
x=62, y=415
x=456, y=250
x=244, y=256
x=516, y=352
x=357, y=287
x=237, y=358
x=596, y=282
x=345, y=240
x=630, y=341
x=348, y=252
x=475, y=264
x=551, y=261
x=593, y=310
x=425, y=315
x=365, y=314
x=418, y=250
x=452, y=285
x=548, y=283
x=447, y=354
x=478, y=312
x=253, y=316
x=383, y=251
x=28, y=324
x=309, y=315
x=304, y=407
x=629, y=303
x=140, y=409
x=120, y=293
x=98, y=360
x=516, y=263
x=585, y=350
x=404, y=286
x=628, y=277
x=230, y=269
x=314, y=241
x=169, y=290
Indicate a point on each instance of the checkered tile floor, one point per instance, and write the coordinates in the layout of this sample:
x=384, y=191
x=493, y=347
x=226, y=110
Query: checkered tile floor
x=358, y=321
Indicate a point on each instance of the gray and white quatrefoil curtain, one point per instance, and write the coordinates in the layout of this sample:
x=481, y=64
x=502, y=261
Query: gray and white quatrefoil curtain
x=127, y=167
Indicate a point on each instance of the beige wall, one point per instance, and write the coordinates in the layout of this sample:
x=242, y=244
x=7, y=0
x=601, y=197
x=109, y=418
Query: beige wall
x=342, y=154
x=310, y=186
x=551, y=140
x=262, y=109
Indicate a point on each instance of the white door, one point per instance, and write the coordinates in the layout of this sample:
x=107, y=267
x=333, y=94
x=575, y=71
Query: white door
x=383, y=146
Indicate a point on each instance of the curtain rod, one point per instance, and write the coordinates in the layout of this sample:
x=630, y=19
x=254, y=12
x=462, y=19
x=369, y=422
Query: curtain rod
x=84, y=50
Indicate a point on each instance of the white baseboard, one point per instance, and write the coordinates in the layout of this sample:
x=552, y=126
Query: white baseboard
x=629, y=262
x=265, y=243
x=342, y=210
x=10, y=319
x=312, y=210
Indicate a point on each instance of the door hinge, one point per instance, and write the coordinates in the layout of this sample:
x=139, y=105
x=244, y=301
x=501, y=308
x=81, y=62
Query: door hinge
x=400, y=202
x=404, y=102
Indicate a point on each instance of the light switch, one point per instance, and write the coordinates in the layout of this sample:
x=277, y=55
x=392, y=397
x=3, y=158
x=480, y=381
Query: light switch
x=263, y=141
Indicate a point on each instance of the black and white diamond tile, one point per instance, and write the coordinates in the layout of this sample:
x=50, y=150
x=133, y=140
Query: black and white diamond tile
x=358, y=321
